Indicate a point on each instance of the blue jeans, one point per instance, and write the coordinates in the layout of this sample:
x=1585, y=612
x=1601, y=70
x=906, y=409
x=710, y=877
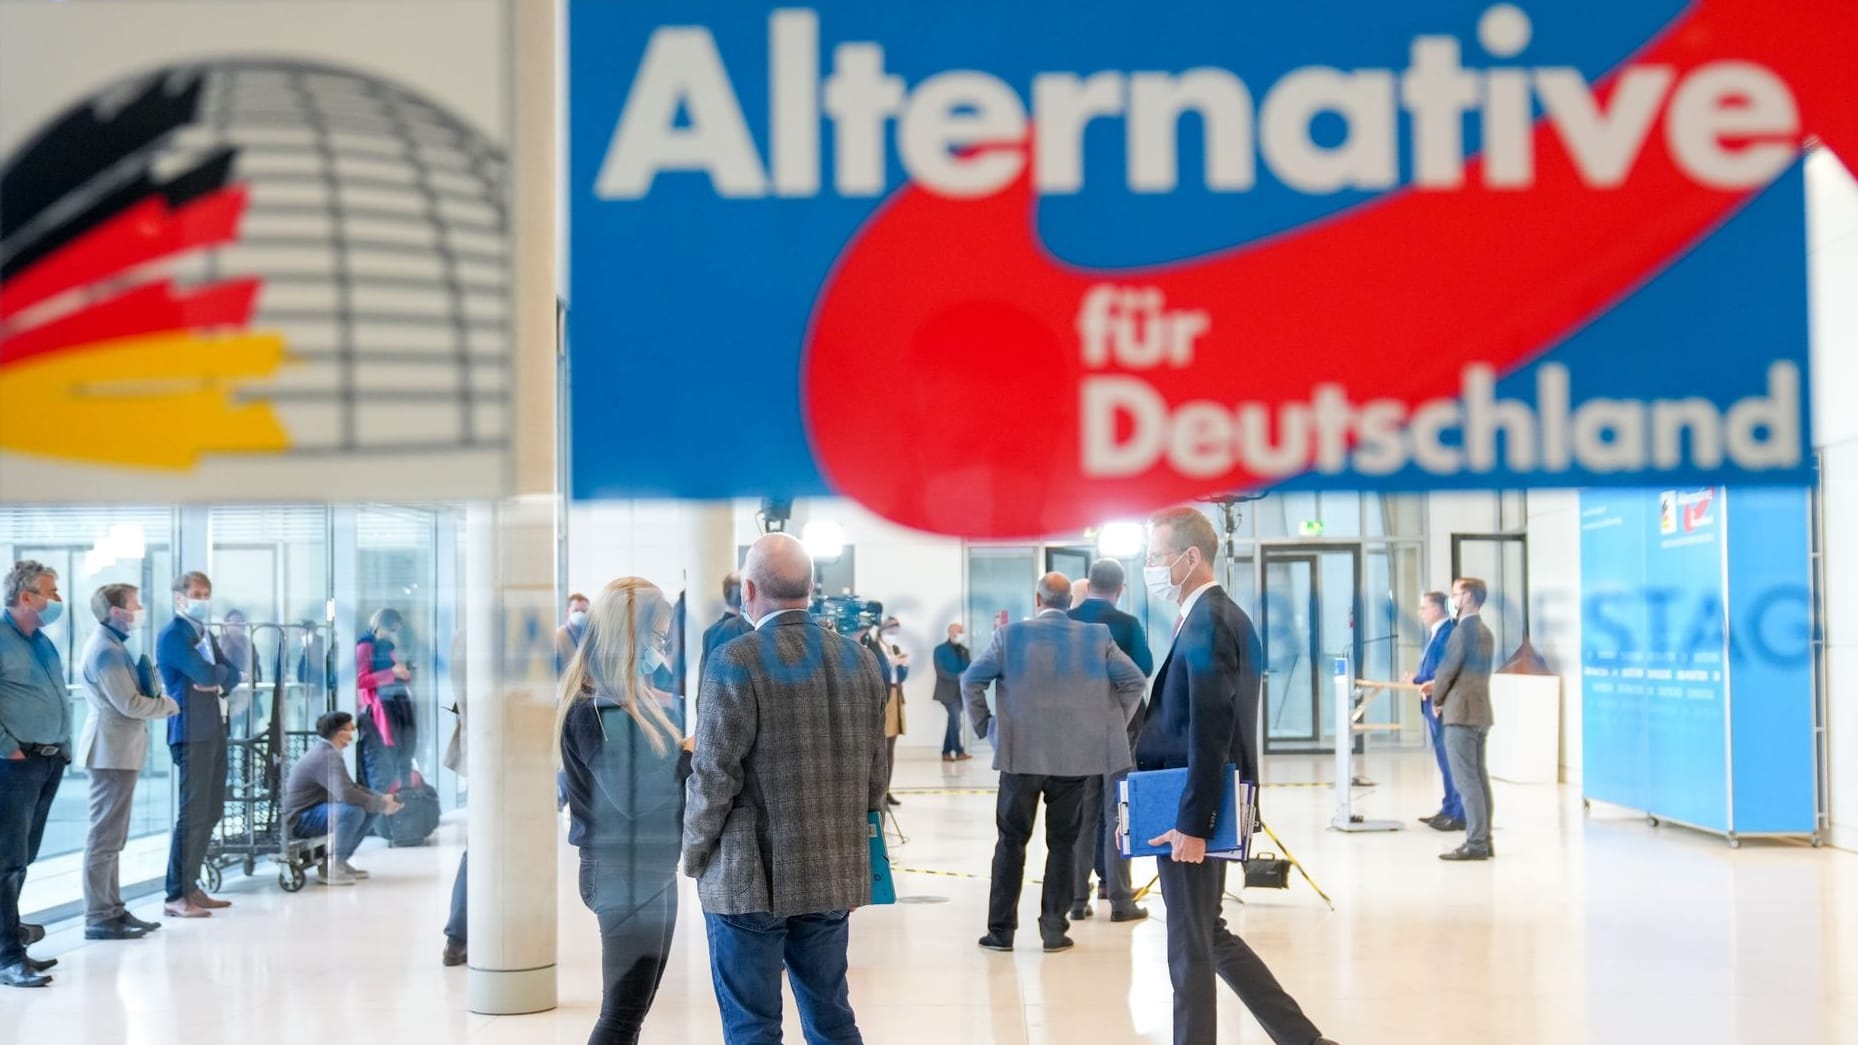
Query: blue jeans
x=951, y=740
x=1452, y=804
x=349, y=824
x=455, y=925
x=746, y=954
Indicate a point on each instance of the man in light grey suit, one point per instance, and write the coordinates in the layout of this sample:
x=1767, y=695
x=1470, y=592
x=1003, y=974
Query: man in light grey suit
x=1460, y=693
x=113, y=745
x=787, y=766
x=1063, y=697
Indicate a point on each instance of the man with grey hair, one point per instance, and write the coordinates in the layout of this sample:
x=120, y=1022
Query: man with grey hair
x=1063, y=696
x=35, y=747
x=112, y=747
x=787, y=768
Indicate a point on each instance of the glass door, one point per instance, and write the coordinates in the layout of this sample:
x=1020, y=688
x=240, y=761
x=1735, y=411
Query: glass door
x=1501, y=561
x=1308, y=610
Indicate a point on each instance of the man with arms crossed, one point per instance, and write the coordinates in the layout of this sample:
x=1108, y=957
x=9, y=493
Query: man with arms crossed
x=1203, y=716
x=788, y=763
x=197, y=676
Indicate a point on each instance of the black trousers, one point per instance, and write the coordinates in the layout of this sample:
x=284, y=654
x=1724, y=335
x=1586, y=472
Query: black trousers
x=635, y=901
x=201, y=766
x=1200, y=947
x=27, y=787
x=1014, y=813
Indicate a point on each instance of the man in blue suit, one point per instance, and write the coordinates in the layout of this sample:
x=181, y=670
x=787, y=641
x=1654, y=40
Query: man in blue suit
x=195, y=674
x=1096, y=847
x=1203, y=716
x=1438, y=622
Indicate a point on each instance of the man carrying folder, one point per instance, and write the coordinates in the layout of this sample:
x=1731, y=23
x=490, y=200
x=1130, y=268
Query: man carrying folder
x=1203, y=716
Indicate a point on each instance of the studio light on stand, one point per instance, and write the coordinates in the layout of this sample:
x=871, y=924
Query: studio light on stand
x=825, y=542
x=1120, y=540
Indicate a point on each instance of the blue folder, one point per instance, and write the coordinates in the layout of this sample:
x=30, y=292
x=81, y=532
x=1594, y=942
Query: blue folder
x=1150, y=803
x=883, y=887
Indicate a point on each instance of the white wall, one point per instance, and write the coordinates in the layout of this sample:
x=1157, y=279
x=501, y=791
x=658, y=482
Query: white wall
x=1832, y=239
x=1554, y=608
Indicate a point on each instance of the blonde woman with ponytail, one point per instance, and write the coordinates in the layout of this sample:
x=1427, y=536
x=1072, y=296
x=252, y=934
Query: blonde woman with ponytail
x=619, y=757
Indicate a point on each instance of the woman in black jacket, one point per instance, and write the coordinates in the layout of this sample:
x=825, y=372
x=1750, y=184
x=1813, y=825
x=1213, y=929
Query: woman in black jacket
x=620, y=755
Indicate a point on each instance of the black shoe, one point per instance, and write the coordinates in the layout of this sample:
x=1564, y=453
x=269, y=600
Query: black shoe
x=454, y=952
x=1133, y=914
x=1447, y=823
x=40, y=966
x=997, y=942
x=116, y=930
x=891, y=800
x=1080, y=911
x=1054, y=944
x=30, y=934
x=1427, y=820
x=19, y=974
x=136, y=923
x=1465, y=852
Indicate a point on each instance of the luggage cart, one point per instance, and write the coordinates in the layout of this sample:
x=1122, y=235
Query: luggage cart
x=270, y=724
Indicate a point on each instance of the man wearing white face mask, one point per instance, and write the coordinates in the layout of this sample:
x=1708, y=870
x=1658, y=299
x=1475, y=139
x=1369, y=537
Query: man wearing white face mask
x=197, y=676
x=112, y=747
x=1202, y=717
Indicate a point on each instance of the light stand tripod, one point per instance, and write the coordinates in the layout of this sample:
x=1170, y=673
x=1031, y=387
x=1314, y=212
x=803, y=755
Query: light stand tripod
x=1282, y=849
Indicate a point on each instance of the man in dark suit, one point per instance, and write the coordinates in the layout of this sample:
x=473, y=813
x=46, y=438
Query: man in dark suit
x=1460, y=695
x=951, y=659
x=787, y=766
x=196, y=674
x=727, y=626
x=1203, y=716
x=1096, y=846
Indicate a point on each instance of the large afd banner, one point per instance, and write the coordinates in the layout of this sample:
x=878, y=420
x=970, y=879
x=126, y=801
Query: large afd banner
x=254, y=251
x=1002, y=269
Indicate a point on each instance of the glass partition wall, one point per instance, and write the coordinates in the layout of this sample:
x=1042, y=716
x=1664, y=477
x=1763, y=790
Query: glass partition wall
x=293, y=587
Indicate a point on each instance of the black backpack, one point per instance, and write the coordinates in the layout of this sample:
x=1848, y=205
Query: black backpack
x=417, y=819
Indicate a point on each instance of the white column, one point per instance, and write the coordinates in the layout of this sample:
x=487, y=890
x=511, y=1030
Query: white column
x=514, y=837
x=712, y=556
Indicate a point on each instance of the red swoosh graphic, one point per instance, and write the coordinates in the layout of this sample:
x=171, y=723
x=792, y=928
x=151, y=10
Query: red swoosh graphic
x=942, y=364
x=150, y=308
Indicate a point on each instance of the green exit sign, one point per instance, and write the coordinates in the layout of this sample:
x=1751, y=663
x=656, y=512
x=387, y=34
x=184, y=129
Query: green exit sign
x=1310, y=528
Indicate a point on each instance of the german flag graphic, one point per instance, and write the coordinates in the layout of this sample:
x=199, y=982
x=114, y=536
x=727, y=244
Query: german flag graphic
x=105, y=357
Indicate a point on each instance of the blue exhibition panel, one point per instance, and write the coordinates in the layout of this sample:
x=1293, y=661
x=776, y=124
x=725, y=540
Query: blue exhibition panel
x=1697, y=669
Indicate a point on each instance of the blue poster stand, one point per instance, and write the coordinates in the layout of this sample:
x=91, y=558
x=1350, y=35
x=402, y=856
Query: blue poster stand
x=1698, y=701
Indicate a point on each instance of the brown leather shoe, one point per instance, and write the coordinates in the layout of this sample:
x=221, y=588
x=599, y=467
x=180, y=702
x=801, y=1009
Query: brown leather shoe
x=184, y=909
x=199, y=898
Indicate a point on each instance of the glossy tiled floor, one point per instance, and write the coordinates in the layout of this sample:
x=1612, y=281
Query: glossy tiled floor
x=1587, y=929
